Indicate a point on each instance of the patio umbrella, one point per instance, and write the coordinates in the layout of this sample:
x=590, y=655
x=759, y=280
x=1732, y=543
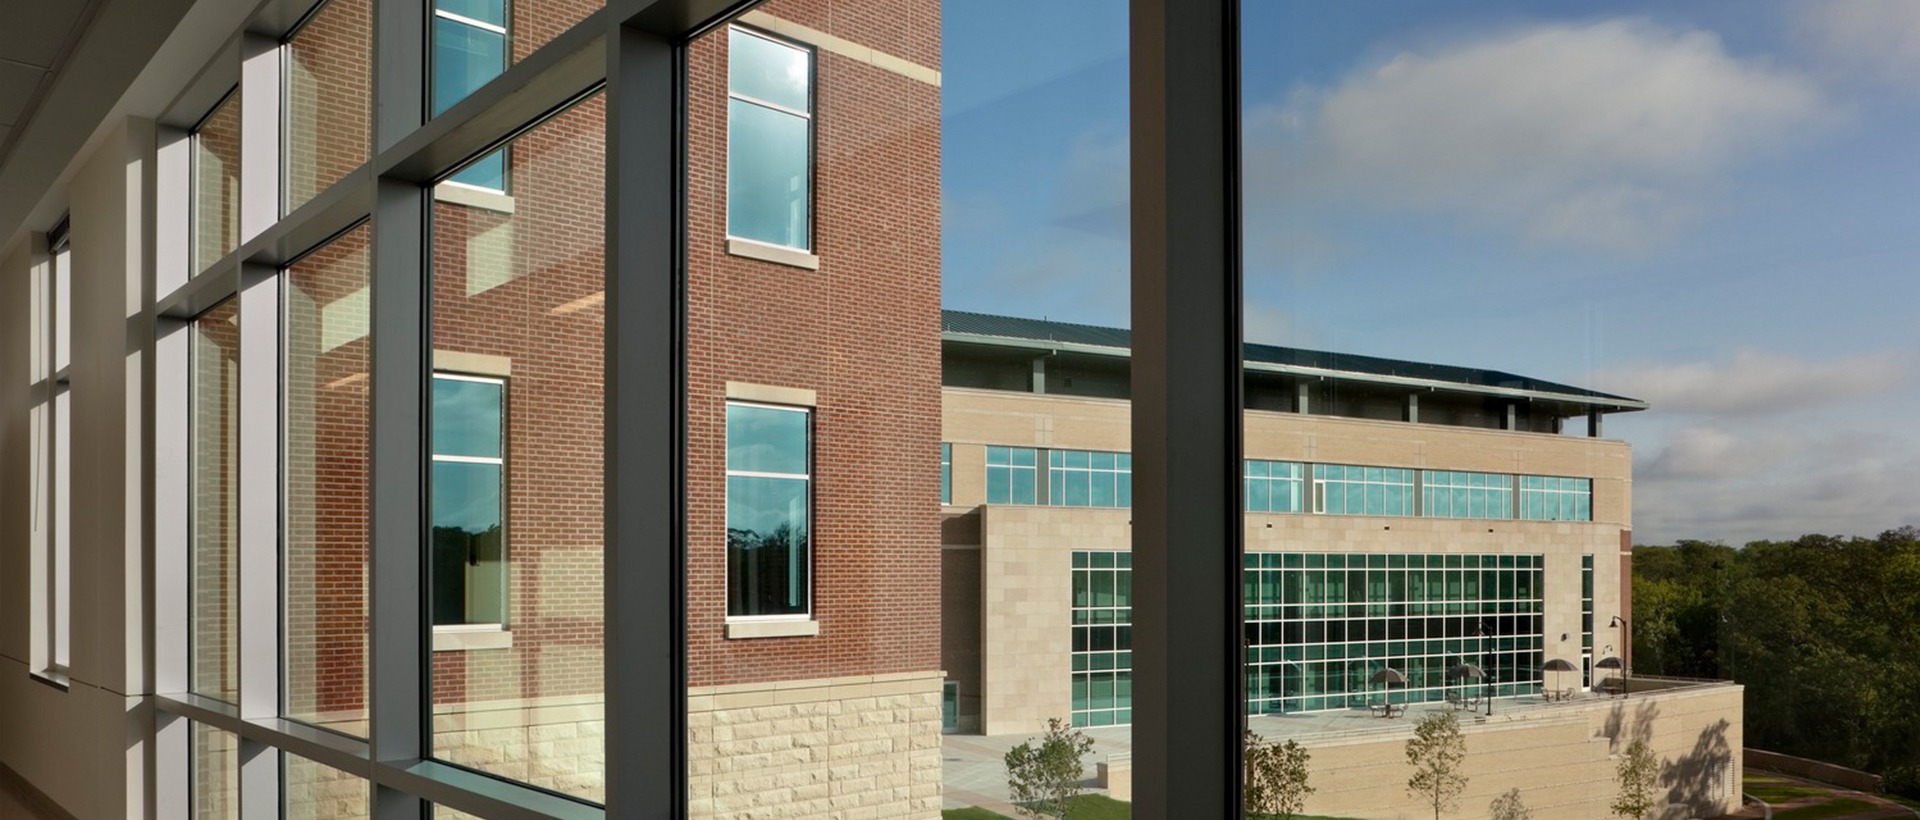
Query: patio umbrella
x=1557, y=665
x=1389, y=675
x=1466, y=670
x=1609, y=663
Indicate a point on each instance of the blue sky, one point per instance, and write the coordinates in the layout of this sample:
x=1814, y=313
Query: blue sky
x=1713, y=206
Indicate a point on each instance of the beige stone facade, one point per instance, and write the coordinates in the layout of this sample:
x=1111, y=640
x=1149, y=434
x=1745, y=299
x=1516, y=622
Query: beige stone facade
x=860, y=747
x=1562, y=759
x=1021, y=555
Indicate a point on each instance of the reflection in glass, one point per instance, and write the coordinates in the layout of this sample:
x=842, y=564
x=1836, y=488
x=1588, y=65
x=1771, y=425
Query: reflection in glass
x=215, y=792
x=216, y=184
x=215, y=398
x=328, y=116
x=517, y=443
x=767, y=174
x=318, y=792
x=768, y=494
x=325, y=372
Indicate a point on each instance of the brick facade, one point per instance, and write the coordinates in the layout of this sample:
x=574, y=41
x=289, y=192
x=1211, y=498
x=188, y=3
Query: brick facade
x=519, y=282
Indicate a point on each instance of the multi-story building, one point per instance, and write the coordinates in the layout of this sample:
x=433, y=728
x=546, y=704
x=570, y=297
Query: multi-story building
x=324, y=266
x=1399, y=515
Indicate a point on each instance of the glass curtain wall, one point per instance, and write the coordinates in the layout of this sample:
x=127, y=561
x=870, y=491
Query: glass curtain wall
x=516, y=472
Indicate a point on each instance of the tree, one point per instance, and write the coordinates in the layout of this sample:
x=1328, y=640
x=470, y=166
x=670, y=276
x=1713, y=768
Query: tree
x=1045, y=779
x=1276, y=778
x=1636, y=773
x=1509, y=806
x=1436, y=753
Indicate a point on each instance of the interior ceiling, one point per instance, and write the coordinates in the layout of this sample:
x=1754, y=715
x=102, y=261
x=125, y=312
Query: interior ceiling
x=35, y=39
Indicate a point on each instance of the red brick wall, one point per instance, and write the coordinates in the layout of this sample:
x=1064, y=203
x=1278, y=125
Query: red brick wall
x=863, y=332
x=329, y=88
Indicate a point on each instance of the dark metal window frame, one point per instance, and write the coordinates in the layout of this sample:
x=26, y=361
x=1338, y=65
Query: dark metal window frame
x=1186, y=399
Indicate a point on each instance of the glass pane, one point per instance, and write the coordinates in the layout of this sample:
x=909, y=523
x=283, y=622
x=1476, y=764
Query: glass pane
x=318, y=792
x=769, y=71
x=520, y=295
x=465, y=57
x=216, y=184
x=765, y=440
x=469, y=544
x=215, y=520
x=215, y=791
x=328, y=127
x=326, y=494
x=466, y=417
x=489, y=172
x=767, y=556
x=485, y=11
x=767, y=175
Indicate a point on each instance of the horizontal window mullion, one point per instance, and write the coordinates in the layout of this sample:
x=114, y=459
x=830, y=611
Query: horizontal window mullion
x=772, y=106
x=752, y=474
x=469, y=21
x=494, y=460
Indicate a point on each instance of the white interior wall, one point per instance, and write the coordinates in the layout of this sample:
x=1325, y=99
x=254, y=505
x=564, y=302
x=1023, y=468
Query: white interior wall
x=82, y=747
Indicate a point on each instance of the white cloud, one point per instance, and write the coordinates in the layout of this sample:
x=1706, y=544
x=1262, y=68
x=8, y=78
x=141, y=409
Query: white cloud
x=1610, y=134
x=1694, y=453
x=1754, y=383
x=1880, y=38
x=1757, y=484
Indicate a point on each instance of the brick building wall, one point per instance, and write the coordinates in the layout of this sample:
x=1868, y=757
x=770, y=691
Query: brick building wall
x=862, y=331
x=520, y=283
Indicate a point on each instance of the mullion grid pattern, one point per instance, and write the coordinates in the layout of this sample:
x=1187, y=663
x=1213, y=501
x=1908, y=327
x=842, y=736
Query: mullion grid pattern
x=1319, y=626
x=1089, y=478
x=256, y=794
x=1354, y=490
x=1554, y=498
x=1012, y=473
x=1273, y=486
x=1454, y=494
x=1102, y=638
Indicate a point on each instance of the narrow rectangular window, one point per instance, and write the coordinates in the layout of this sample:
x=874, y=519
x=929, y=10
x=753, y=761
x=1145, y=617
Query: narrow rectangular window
x=769, y=510
x=769, y=140
x=469, y=583
x=50, y=417
x=946, y=473
x=471, y=45
x=1102, y=671
x=216, y=183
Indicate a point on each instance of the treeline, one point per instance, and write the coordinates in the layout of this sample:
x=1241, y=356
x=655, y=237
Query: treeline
x=1824, y=631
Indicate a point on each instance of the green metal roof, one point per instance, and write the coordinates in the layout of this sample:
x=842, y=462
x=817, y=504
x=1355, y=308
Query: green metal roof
x=1010, y=331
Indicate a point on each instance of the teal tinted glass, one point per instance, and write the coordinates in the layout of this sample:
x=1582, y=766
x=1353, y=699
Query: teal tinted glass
x=769, y=71
x=466, y=497
x=767, y=175
x=767, y=562
x=486, y=11
x=766, y=440
x=464, y=58
x=466, y=418
x=488, y=172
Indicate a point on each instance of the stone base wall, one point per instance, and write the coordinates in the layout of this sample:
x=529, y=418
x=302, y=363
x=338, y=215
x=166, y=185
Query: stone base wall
x=849, y=748
x=1562, y=760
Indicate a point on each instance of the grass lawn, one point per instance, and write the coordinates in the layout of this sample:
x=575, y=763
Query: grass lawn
x=1844, y=807
x=1777, y=790
x=1086, y=807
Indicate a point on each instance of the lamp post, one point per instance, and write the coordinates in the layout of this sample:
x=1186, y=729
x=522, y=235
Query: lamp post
x=1626, y=643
